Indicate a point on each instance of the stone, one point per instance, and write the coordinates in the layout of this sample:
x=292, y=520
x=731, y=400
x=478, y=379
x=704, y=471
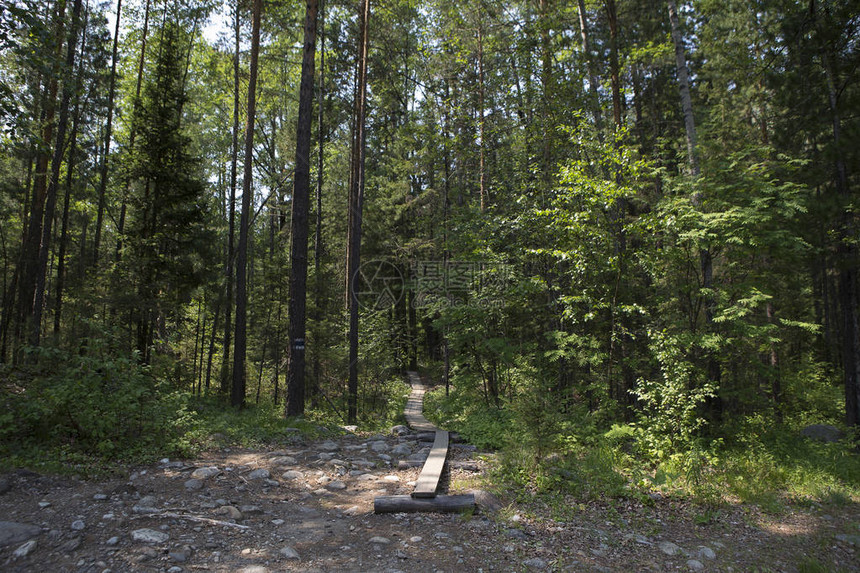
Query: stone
x=535, y=563
x=822, y=433
x=205, y=473
x=384, y=457
x=194, y=484
x=283, y=461
x=288, y=552
x=848, y=539
x=100, y=497
x=112, y=541
x=516, y=534
x=71, y=545
x=638, y=538
x=149, y=536
x=261, y=473
x=415, y=539
x=25, y=549
x=336, y=485
x=351, y=511
x=5, y=485
x=379, y=539
x=292, y=475
x=250, y=509
x=180, y=555
x=668, y=548
x=379, y=446
x=695, y=565
x=231, y=512
x=705, y=553
x=391, y=479
x=325, y=456
x=401, y=450
x=399, y=430
x=79, y=525
x=329, y=446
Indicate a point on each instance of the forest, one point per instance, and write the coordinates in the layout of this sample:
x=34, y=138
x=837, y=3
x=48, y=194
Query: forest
x=620, y=235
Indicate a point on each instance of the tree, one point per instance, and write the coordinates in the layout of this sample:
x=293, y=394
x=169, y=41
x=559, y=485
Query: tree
x=356, y=203
x=299, y=222
x=237, y=393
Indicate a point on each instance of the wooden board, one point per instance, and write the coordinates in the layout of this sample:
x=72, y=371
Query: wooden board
x=466, y=466
x=415, y=406
x=438, y=504
x=428, y=479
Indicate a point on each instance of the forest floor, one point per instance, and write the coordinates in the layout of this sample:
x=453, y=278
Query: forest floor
x=309, y=507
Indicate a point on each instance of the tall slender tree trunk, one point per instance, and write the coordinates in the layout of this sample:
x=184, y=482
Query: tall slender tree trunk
x=29, y=258
x=228, y=271
x=103, y=174
x=846, y=249
x=237, y=395
x=705, y=259
x=141, y=62
x=318, y=240
x=299, y=222
x=592, y=68
x=56, y=162
x=356, y=201
x=482, y=168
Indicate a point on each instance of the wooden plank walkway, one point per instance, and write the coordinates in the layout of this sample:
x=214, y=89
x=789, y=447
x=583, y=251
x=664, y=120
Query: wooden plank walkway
x=424, y=496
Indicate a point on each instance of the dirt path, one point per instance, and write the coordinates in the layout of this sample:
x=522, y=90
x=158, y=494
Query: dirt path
x=309, y=507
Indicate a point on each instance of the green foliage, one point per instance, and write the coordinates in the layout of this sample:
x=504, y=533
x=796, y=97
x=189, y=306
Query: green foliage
x=91, y=402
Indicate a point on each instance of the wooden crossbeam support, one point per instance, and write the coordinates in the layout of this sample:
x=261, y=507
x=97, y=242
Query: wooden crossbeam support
x=409, y=504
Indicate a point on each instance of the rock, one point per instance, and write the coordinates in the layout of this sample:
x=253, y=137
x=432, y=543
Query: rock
x=231, y=512
x=705, y=553
x=71, y=545
x=391, y=479
x=292, y=475
x=848, y=539
x=695, y=565
x=822, y=433
x=638, y=538
x=415, y=539
x=384, y=457
x=261, y=473
x=351, y=511
x=486, y=501
x=535, y=563
x=329, y=446
x=669, y=548
x=401, y=450
x=205, y=473
x=112, y=541
x=25, y=549
x=250, y=509
x=194, y=485
x=516, y=534
x=419, y=457
x=175, y=569
x=5, y=485
x=100, y=497
x=44, y=504
x=336, y=485
x=399, y=430
x=149, y=536
x=180, y=555
x=379, y=446
x=379, y=539
x=79, y=525
x=284, y=461
x=289, y=553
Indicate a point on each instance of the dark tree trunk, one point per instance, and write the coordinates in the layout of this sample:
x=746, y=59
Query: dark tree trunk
x=356, y=200
x=228, y=271
x=56, y=162
x=108, y=132
x=237, y=395
x=299, y=222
